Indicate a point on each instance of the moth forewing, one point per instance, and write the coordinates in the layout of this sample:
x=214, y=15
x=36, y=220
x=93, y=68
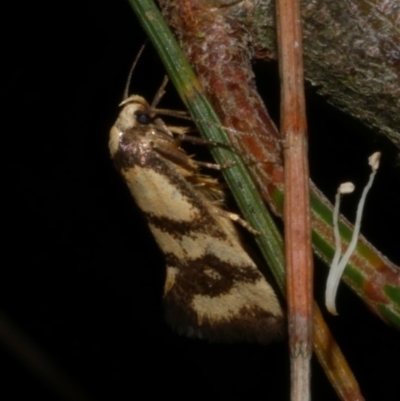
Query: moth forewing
x=213, y=289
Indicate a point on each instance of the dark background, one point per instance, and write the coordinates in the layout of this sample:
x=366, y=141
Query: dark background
x=81, y=276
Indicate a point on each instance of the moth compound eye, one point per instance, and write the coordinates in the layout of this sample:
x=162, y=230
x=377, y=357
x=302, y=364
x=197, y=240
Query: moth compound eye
x=143, y=118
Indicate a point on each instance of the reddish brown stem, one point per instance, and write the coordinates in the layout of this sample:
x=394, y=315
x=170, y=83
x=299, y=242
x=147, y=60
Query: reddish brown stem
x=298, y=252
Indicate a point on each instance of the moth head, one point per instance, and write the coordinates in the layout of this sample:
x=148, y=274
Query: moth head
x=134, y=119
x=138, y=118
x=135, y=114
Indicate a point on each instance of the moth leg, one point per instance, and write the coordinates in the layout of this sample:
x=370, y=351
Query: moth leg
x=160, y=93
x=170, y=130
x=166, y=112
x=175, y=155
x=198, y=140
x=179, y=130
x=215, y=166
x=237, y=219
x=212, y=166
x=182, y=136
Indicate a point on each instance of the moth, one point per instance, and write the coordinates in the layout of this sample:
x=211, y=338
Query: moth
x=213, y=289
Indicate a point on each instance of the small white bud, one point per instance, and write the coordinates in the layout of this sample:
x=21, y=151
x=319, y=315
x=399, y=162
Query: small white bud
x=346, y=188
x=373, y=160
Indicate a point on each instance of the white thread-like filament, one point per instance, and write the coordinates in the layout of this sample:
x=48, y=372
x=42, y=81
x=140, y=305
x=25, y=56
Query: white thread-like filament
x=338, y=265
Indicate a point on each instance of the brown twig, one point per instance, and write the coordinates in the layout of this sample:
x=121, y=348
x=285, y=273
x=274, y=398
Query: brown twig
x=298, y=252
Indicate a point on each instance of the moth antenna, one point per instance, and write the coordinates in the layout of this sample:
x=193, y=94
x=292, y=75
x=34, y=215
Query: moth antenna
x=160, y=93
x=128, y=82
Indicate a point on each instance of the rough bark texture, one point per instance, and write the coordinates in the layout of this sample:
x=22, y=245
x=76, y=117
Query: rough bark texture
x=351, y=52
